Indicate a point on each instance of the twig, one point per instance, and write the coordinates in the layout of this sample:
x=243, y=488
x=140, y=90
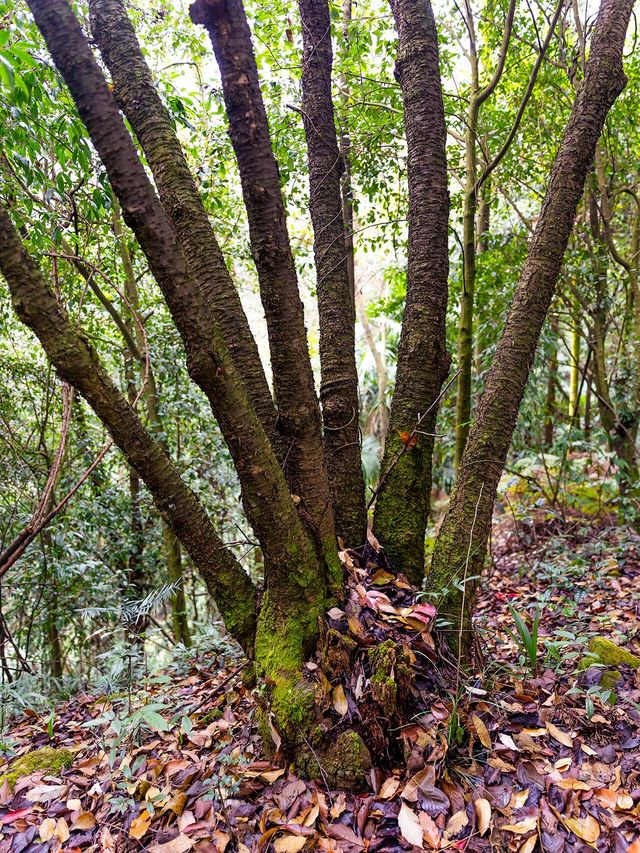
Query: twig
x=406, y=444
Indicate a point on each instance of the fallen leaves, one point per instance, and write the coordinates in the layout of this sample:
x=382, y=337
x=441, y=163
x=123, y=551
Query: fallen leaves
x=491, y=771
x=179, y=844
x=483, y=814
x=557, y=734
x=410, y=825
x=481, y=730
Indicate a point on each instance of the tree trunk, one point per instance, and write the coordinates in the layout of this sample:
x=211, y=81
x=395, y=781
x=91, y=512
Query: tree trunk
x=336, y=299
x=461, y=546
x=173, y=557
x=574, y=368
x=77, y=363
x=467, y=296
x=136, y=94
x=550, y=408
x=402, y=504
x=295, y=574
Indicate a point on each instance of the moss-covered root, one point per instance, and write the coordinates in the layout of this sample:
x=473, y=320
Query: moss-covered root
x=611, y=654
x=47, y=758
x=347, y=762
x=391, y=675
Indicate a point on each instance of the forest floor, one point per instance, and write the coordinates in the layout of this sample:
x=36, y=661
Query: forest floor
x=526, y=757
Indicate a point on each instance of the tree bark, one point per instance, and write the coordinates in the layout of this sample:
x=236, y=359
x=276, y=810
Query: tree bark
x=298, y=409
x=291, y=561
x=461, y=546
x=336, y=302
x=77, y=363
x=136, y=94
x=550, y=407
x=402, y=505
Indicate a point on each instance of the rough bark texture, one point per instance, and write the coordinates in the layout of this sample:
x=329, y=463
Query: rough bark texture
x=336, y=304
x=461, y=546
x=550, y=407
x=298, y=409
x=77, y=363
x=402, y=507
x=136, y=94
x=265, y=494
x=467, y=295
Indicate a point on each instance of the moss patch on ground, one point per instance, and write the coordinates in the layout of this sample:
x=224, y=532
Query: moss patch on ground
x=611, y=654
x=46, y=758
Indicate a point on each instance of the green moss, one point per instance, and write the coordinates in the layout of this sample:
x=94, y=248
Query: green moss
x=609, y=653
x=610, y=678
x=336, y=652
x=390, y=673
x=347, y=761
x=248, y=677
x=211, y=716
x=46, y=758
x=385, y=691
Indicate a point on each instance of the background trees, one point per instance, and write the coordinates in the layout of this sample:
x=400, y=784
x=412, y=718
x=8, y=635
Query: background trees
x=153, y=368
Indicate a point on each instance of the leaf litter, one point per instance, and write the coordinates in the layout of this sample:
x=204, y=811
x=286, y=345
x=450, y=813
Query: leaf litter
x=517, y=761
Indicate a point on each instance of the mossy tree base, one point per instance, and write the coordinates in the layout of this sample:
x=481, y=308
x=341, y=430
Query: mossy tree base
x=347, y=705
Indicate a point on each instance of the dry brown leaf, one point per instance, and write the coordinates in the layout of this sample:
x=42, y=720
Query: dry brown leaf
x=62, y=831
x=624, y=802
x=176, y=804
x=289, y=843
x=275, y=737
x=46, y=793
x=518, y=799
x=529, y=844
x=74, y=805
x=509, y=742
x=339, y=700
x=389, y=788
x=572, y=785
x=221, y=840
x=634, y=847
x=271, y=775
x=339, y=805
x=430, y=830
x=456, y=823
x=410, y=792
x=107, y=841
x=482, y=731
x=557, y=734
x=607, y=797
x=483, y=814
x=410, y=826
x=85, y=820
x=522, y=827
x=47, y=829
x=179, y=844
x=588, y=828
x=140, y=825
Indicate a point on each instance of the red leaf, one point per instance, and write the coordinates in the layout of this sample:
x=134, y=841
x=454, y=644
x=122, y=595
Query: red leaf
x=9, y=817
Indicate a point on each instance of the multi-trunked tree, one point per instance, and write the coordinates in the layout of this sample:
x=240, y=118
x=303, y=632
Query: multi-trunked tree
x=297, y=455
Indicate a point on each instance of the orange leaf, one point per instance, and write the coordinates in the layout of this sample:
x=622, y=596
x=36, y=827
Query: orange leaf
x=408, y=439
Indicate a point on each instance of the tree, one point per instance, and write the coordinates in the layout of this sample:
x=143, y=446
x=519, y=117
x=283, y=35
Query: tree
x=461, y=545
x=301, y=486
